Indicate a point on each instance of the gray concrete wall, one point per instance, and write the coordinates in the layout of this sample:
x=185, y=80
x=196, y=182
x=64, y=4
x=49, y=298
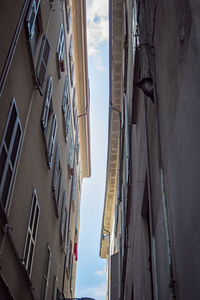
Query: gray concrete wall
x=177, y=72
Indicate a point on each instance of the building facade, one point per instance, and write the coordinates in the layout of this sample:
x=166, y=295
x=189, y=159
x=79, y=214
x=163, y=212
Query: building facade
x=150, y=226
x=44, y=146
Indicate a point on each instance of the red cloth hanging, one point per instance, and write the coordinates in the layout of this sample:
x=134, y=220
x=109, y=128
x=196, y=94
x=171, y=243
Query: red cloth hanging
x=76, y=251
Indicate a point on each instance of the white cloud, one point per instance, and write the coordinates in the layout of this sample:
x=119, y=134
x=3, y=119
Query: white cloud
x=97, y=24
x=101, y=273
x=97, y=292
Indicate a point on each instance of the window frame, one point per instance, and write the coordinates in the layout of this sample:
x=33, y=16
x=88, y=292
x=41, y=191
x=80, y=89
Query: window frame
x=69, y=16
x=66, y=108
x=52, y=139
x=71, y=62
x=62, y=219
x=41, y=62
x=33, y=224
x=70, y=151
x=47, y=104
x=33, y=9
x=57, y=180
x=46, y=273
x=55, y=287
x=66, y=232
x=65, y=100
x=61, y=43
x=8, y=152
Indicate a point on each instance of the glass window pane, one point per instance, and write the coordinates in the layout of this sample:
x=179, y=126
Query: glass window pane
x=16, y=145
x=41, y=74
x=32, y=213
x=3, y=157
x=27, y=248
x=6, y=187
x=35, y=222
x=30, y=258
x=46, y=52
x=10, y=127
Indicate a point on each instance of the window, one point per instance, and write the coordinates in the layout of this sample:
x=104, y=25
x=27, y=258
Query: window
x=64, y=222
x=72, y=73
x=46, y=106
x=67, y=122
x=71, y=272
x=70, y=152
x=62, y=219
x=66, y=229
x=73, y=190
x=77, y=153
x=43, y=59
x=71, y=61
x=60, y=47
x=57, y=181
x=60, y=51
x=52, y=140
x=69, y=259
x=71, y=48
x=75, y=110
x=31, y=234
x=69, y=14
x=56, y=292
x=65, y=101
x=46, y=272
x=66, y=108
x=9, y=151
x=77, y=146
x=49, y=134
x=32, y=17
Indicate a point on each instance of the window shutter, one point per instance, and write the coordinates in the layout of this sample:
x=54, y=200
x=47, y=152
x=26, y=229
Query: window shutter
x=77, y=153
x=56, y=168
x=71, y=48
x=43, y=61
x=47, y=102
x=69, y=258
x=59, y=193
x=70, y=152
x=115, y=276
x=74, y=188
x=60, y=47
x=68, y=18
x=66, y=230
x=9, y=151
x=52, y=140
x=55, y=286
x=31, y=17
x=46, y=273
x=71, y=272
x=62, y=218
x=72, y=73
x=67, y=122
x=65, y=94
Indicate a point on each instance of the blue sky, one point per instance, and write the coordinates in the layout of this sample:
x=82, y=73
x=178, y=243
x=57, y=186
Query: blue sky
x=91, y=275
